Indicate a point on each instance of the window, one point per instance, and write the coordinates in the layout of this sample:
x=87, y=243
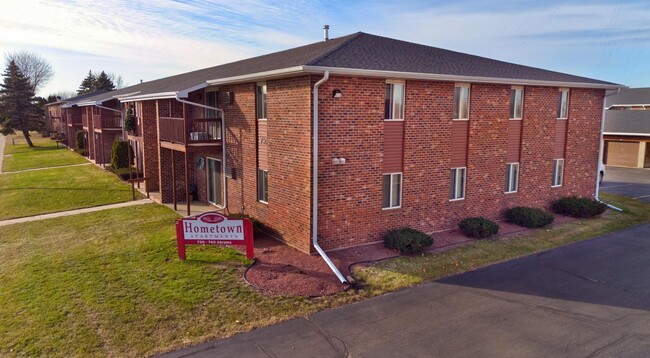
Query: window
x=512, y=177
x=558, y=172
x=263, y=185
x=392, y=191
x=461, y=101
x=213, y=128
x=261, y=101
x=563, y=104
x=516, y=102
x=394, y=105
x=457, y=191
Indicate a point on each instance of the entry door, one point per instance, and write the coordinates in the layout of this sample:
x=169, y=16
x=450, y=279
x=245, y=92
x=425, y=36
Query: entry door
x=214, y=181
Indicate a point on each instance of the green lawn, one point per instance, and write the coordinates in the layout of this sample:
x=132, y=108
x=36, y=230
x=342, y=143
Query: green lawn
x=44, y=154
x=59, y=189
x=110, y=284
x=407, y=271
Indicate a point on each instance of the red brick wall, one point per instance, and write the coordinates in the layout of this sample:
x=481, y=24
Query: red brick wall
x=352, y=127
x=149, y=119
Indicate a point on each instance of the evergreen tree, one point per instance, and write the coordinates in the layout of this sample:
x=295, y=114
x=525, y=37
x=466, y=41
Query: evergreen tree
x=18, y=107
x=88, y=84
x=103, y=82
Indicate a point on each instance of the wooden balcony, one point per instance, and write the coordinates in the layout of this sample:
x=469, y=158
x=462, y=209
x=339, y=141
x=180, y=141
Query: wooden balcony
x=113, y=121
x=73, y=120
x=190, y=132
x=84, y=120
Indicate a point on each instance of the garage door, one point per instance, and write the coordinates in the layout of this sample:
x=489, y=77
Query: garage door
x=624, y=154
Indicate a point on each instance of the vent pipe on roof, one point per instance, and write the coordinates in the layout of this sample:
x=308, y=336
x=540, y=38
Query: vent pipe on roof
x=326, y=32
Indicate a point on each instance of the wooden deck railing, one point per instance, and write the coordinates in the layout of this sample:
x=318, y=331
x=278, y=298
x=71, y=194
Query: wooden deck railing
x=107, y=122
x=188, y=131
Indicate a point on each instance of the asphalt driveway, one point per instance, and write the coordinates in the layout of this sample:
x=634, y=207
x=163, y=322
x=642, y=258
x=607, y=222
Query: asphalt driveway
x=589, y=299
x=631, y=182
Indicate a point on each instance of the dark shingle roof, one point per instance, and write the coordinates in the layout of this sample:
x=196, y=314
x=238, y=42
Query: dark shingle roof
x=363, y=51
x=630, y=96
x=627, y=121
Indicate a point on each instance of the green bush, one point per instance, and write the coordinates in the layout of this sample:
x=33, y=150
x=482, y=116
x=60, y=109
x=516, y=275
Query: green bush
x=79, y=140
x=123, y=173
x=257, y=225
x=81, y=152
x=578, y=207
x=129, y=121
x=407, y=241
x=528, y=217
x=478, y=227
x=120, y=155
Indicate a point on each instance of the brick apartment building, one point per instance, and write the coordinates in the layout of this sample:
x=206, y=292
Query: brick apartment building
x=407, y=135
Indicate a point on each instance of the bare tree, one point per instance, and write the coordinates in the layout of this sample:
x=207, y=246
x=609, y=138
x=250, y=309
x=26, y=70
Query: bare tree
x=117, y=80
x=64, y=94
x=33, y=66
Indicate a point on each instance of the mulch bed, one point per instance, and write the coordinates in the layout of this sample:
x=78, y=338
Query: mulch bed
x=282, y=270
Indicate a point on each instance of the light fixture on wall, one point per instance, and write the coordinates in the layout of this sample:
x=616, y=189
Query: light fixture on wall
x=337, y=93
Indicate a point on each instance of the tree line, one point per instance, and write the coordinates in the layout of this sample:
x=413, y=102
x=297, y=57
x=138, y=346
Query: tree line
x=24, y=75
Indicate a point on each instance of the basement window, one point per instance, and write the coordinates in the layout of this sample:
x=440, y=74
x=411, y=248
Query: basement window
x=391, y=191
x=558, y=172
x=457, y=184
x=263, y=185
x=512, y=177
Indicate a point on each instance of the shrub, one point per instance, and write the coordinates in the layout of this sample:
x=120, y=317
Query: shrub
x=81, y=152
x=578, y=207
x=407, y=241
x=120, y=155
x=79, y=140
x=129, y=121
x=478, y=227
x=528, y=217
x=257, y=225
x=123, y=173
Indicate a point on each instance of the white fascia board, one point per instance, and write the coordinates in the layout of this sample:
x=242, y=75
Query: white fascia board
x=184, y=93
x=125, y=95
x=628, y=105
x=628, y=134
x=453, y=78
x=258, y=76
x=149, y=96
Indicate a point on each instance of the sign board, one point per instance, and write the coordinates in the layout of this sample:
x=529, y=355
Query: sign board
x=213, y=228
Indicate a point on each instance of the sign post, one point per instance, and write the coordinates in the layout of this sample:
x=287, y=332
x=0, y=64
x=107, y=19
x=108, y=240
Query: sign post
x=213, y=228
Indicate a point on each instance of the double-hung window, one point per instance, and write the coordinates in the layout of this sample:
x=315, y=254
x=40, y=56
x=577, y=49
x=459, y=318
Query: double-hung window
x=457, y=184
x=261, y=101
x=263, y=185
x=512, y=177
x=394, y=103
x=558, y=172
x=213, y=128
x=563, y=104
x=516, y=102
x=391, y=191
x=461, y=101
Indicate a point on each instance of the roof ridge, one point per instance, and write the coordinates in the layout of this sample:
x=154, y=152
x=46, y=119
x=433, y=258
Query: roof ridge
x=335, y=48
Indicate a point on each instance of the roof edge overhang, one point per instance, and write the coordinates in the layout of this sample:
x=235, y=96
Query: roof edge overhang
x=260, y=76
x=119, y=96
x=628, y=105
x=628, y=134
x=149, y=96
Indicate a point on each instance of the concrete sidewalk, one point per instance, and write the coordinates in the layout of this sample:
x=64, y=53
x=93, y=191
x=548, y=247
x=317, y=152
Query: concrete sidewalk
x=74, y=212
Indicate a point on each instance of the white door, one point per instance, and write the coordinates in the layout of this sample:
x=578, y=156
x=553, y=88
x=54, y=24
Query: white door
x=214, y=181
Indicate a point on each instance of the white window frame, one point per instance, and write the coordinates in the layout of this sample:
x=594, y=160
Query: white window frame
x=392, y=84
x=390, y=199
x=263, y=102
x=457, y=184
x=512, y=177
x=558, y=175
x=207, y=179
x=211, y=113
x=513, y=106
x=260, y=196
x=469, y=93
x=561, y=100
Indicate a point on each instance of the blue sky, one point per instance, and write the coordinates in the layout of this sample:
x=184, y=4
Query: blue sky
x=149, y=39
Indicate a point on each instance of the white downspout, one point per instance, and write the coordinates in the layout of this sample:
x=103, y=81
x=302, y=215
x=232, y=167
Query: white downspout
x=600, y=153
x=223, y=144
x=314, y=180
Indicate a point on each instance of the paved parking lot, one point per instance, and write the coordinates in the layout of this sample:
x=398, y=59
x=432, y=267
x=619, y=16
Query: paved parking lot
x=631, y=182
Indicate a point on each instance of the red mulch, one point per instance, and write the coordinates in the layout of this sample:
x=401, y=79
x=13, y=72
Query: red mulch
x=282, y=270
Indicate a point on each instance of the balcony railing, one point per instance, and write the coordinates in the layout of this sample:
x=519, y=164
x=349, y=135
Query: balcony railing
x=84, y=120
x=190, y=131
x=74, y=120
x=107, y=122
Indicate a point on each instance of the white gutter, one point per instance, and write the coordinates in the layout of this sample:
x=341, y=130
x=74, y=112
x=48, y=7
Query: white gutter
x=124, y=95
x=628, y=134
x=223, y=141
x=144, y=97
x=600, y=153
x=258, y=76
x=314, y=180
